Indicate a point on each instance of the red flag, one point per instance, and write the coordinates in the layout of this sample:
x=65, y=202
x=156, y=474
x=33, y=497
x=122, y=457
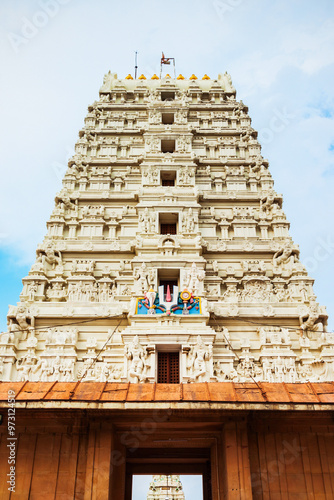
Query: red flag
x=165, y=60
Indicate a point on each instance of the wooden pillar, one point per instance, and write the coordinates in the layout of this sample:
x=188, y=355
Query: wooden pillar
x=118, y=469
x=105, y=465
x=237, y=483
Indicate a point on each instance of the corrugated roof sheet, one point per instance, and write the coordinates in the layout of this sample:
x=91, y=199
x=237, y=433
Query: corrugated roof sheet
x=314, y=393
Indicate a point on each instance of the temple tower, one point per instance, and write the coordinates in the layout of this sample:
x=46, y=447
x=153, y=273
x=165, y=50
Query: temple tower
x=167, y=256
x=166, y=487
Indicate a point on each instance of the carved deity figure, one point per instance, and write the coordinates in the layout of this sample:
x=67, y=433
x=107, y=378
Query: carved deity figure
x=185, y=175
x=137, y=355
x=181, y=116
x=258, y=166
x=154, y=117
x=195, y=280
x=78, y=165
x=267, y=202
x=183, y=144
x=65, y=199
x=25, y=367
x=198, y=355
x=151, y=175
x=142, y=275
x=247, y=369
x=20, y=319
x=188, y=221
x=312, y=320
x=32, y=290
x=50, y=255
x=152, y=96
x=147, y=221
x=45, y=368
x=153, y=144
x=286, y=254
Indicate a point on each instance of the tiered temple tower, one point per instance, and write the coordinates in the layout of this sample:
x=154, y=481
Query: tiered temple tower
x=168, y=257
x=163, y=487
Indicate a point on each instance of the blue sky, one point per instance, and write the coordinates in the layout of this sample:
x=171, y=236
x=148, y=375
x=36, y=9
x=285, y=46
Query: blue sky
x=54, y=54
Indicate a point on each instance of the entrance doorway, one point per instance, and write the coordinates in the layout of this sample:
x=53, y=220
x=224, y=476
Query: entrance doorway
x=173, y=487
x=194, y=465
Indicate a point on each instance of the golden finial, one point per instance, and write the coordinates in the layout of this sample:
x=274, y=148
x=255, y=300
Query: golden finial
x=129, y=77
x=155, y=77
x=180, y=77
x=142, y=77
x=193, y=77
x=206, y=77
x=168, y=76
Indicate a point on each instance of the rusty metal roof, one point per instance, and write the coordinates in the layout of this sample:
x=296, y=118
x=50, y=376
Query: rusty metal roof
x=219, y=392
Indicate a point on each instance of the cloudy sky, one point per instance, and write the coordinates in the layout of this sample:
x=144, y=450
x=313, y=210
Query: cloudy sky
x=54, y=54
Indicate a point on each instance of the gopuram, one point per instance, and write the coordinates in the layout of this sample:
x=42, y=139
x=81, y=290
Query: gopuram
x=168, y=290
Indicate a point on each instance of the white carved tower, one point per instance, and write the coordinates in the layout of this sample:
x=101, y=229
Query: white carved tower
x=168, y=257
x=166, y=487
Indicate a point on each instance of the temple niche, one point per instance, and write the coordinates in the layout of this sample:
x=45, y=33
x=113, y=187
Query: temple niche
x=167, y=256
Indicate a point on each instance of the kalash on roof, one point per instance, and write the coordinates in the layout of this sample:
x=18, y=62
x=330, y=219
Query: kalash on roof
x=224, y=82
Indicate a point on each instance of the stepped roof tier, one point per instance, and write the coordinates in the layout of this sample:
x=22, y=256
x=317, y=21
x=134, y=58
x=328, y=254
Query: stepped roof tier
x=167, y=256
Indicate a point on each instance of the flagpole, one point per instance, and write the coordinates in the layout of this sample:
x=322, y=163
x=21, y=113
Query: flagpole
x=136, y=67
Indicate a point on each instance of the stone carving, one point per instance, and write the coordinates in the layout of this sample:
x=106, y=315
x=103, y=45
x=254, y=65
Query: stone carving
x=195, y=280
x=55, y=369
x=185, y=176
x=151, y=175
x=49, y=255
x=138, y=357
x=248, y=370
x=108, y=80
x=91, y=211
x=183, y=144
x=180, y=116
x=274, y=335
x=25, y=366
x=152, y=96
x=83, y=267
x=65, y=200
x=32, y=290
x=286, y=254
x=227, y=82
x=153, y=144
x=254, y=267
x=279, y=369
x=188, y=221
x=58, y=336
x=144, y=277
x=256, y=291
x=106, y=215
x=78, y=165
x=56, y=292
x=148, y=221
x=313, y=320
x=154, y=117
x=82, y=292
x=198, y=357
x=231, y=293
x=20, y=319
